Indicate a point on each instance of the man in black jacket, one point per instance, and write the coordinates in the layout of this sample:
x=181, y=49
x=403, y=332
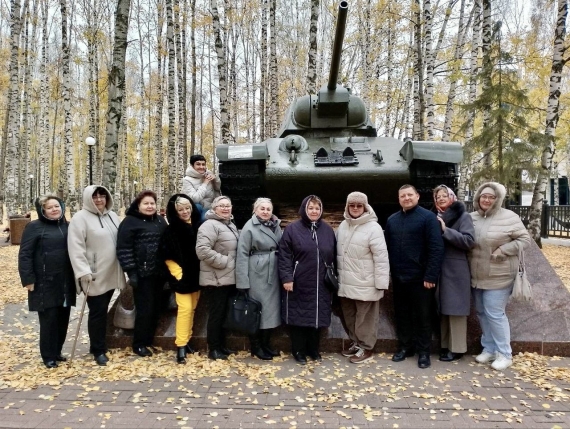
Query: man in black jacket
x=415, y=250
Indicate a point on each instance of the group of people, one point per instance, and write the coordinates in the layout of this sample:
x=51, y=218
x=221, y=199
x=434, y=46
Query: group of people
x=431, y=257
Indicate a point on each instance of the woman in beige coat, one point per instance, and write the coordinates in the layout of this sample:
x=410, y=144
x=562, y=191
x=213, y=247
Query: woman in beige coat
x=500, y=237
x=216, y=246
x=364, y=271
x=92, y=239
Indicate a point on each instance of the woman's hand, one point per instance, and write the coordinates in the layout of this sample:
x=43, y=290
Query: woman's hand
x=498, y=252
x=30, y=287
x=288, y=286
x=442, y=223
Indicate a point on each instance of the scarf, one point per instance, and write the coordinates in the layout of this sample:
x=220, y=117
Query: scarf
x=452, y=199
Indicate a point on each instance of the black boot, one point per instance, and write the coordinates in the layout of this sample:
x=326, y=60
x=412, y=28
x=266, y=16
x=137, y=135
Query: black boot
x=257, y=350
x=181, y=355
x=265, y=335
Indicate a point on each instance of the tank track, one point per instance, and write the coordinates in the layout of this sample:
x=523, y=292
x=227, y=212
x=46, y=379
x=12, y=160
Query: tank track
x=427, y=175
x=243, y=183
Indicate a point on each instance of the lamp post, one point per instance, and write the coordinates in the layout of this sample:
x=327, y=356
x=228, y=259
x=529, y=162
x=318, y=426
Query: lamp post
x=90, y=141
x=31, y=177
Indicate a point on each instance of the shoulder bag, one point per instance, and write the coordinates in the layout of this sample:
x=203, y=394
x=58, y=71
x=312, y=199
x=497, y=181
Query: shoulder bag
x=522, y=290
x=243, y=313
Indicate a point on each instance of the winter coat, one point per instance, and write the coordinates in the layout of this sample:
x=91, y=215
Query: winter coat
x=415, y=246
x=92, y=241
x=138, y=241
x=256, y=268
x=178, y=244
x=453, y=292
x=496, y=228
x=200, y=191
x=362, y=257
x=216, y=248
x=43, y=261
x=300, y=262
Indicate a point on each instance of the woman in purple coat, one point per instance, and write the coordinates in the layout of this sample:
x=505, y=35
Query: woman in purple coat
x=304, y=248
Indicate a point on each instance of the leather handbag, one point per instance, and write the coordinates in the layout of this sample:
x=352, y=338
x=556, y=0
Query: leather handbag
x=522, y=290
x=331, y=280
x=243, y=313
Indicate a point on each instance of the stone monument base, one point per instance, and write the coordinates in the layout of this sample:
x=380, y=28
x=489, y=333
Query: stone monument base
x=539, y=326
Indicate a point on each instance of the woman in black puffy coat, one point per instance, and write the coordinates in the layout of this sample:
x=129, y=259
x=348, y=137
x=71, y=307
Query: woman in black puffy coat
x=45, y=270
x=137, y=251
x=178, y=252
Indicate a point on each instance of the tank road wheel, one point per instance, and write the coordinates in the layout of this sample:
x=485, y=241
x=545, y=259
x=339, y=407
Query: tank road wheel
x=243, y=183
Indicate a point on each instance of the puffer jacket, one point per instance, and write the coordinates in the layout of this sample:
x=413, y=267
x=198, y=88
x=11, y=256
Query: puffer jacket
x=44, y=262
x=201, y=192
x=496, y=228
x=92, y=240
x=362, y=257
x=137, y=243
x=216, y=246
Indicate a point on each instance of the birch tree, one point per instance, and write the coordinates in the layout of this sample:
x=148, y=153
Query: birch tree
x=116, y=94
x=552, y=117
x=222, y=78
x=311, y=87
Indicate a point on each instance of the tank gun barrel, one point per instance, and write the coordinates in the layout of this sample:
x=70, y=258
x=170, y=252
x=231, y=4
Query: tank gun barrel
x=337, y=46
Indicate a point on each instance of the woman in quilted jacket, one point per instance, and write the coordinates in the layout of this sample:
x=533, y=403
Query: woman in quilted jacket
x=500, y=237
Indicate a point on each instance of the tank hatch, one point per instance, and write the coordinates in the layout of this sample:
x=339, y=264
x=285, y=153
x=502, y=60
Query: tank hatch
x=335, y=158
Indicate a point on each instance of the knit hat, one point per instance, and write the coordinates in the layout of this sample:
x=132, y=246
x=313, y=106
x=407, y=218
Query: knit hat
x=195, y=158
x=357, y=198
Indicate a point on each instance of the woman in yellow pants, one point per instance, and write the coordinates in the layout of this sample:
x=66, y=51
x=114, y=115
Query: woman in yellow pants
x=178, y=251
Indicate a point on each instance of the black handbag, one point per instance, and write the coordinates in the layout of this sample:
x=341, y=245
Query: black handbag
x=331, y=280
x=243, y=313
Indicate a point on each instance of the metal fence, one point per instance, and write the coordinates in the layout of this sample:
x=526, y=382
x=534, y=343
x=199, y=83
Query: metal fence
x=555, y=221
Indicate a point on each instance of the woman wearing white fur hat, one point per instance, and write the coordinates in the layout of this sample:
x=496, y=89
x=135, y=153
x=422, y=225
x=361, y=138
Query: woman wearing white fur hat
x=363, y=270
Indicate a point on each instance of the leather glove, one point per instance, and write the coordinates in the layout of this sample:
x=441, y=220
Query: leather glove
x=133, y=279
x=86, y=281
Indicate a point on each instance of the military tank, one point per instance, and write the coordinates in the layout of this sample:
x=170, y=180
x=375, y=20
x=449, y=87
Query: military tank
x=328, y=146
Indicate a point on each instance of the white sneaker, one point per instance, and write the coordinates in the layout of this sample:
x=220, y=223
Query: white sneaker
x=501, y=363
x=486, y=357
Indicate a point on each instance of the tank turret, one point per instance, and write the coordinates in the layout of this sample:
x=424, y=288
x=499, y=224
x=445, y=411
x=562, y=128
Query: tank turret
x=328, y=146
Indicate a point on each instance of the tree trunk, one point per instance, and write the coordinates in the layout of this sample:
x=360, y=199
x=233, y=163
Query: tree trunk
x=552, y=116
x=12, y=126
x=263, y=73
x=418, y=129
x=116, y=94
x=473, y=73
x=222, y=79
x=273, y=74
x=430, y=55
x=44, y=178
x=193, y=94
x=486, y=77
x=311, y=87
x=171, y=185
x=157, y=144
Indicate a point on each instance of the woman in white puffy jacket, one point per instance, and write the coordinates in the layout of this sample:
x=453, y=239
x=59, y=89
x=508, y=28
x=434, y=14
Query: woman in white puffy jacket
x=364, y=271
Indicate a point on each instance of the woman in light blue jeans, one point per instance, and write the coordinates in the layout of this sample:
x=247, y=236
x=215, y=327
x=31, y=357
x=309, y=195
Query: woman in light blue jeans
x=500, y=237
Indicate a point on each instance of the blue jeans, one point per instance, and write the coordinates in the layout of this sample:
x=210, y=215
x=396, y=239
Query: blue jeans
x=490, y=306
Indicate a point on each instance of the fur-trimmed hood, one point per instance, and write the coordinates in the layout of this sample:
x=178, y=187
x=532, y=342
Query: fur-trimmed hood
x=500, y=192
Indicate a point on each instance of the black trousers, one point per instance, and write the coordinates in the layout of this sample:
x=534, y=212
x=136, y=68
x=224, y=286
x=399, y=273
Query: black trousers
x=413, y=307
x=217, y=303
x=97, y=321
x=304, y=340
x=147, y=296
x=54, y=322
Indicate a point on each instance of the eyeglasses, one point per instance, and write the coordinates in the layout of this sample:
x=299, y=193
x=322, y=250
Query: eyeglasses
x=225, y=206
x=99, y=197
x=488, y=197
x=356, y=206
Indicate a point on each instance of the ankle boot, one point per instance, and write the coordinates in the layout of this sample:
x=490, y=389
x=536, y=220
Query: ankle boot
x=265, y=335
x=257, y=350
x=181, y=355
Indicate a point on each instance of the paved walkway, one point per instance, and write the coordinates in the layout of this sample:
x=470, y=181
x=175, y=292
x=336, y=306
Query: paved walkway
x=246, y=393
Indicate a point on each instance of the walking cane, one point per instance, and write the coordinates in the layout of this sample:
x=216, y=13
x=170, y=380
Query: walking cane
x=79, y=324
